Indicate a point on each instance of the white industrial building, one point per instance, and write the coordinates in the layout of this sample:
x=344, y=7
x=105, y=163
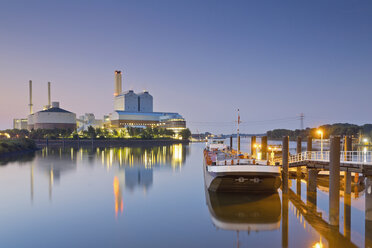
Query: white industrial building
x=20, y=123
x=84, y=121
x=51, y=118
x=145, y=102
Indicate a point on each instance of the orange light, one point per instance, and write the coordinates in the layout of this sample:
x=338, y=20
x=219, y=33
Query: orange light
x=118, y=197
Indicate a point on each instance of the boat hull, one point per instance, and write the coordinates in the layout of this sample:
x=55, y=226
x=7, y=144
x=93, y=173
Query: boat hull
x=248, y=178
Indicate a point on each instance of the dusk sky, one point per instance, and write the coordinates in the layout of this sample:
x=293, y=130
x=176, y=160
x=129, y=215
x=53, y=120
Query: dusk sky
x=204, y=59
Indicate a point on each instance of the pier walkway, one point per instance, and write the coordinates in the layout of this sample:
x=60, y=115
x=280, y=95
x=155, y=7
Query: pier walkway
x=353, y=161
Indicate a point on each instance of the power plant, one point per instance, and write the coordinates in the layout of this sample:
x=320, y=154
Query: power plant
x=130, y=110
x=51, y=117
x=136, y=109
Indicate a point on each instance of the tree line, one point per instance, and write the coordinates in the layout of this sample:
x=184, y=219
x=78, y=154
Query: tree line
x=98, y=133
x=328, y=130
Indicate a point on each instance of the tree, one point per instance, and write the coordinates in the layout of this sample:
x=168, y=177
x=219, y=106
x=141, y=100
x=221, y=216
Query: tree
x=91, y=132
x=185, y=134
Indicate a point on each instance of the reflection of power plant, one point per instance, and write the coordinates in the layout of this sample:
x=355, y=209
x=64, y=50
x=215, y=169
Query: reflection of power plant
x=118, y=196
x=138, y=177
x=148, y=157
x=53, y=163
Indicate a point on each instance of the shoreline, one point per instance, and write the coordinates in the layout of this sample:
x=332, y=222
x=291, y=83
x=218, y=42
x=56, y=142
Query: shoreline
x=107, y=142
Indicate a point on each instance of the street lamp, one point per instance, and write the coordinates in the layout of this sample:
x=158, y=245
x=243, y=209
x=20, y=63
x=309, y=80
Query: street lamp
x=321, y=142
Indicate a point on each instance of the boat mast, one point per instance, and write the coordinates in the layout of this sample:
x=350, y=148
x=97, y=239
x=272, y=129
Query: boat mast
x=238, y=138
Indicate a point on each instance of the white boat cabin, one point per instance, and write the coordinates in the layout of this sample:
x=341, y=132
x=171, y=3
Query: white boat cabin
x=216, y=144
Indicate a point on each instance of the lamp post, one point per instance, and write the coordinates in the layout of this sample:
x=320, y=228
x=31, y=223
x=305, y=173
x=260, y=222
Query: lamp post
x=321, y=142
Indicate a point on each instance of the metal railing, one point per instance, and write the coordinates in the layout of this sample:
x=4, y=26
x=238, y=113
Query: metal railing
x=352, y=157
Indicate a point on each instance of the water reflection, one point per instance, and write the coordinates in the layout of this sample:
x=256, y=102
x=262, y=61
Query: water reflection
x=118, y=196
x=133, y=166
x=244, y=212
x=368, y=210
x=23, y=158
x=174, y=155
x=138, y=177
x=144, y=192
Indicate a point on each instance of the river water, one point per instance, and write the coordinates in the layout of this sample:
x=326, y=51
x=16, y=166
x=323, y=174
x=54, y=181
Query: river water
x=155, y=197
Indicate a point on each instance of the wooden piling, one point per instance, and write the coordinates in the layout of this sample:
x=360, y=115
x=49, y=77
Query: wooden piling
x=334, y=181
x=231, y=142
x=264, y=147
x=285, y=157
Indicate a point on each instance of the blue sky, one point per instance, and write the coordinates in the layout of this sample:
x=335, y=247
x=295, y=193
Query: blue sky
x=203, y=59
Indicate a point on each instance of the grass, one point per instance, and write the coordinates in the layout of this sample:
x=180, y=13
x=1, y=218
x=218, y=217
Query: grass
x=9, y=146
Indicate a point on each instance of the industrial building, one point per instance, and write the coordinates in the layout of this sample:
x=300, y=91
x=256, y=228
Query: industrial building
x=51, y=117
x=132, y=109
x=20, y=123
x=84, y=121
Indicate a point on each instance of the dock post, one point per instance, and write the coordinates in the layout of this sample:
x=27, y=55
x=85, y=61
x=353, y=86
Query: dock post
x=285, y=157
x=47, y=141
x=253, y=149
x=298, y=151
x=368, y=218
x=311, y=193
x=334, y=181
x=231, y=142
x=264, y=147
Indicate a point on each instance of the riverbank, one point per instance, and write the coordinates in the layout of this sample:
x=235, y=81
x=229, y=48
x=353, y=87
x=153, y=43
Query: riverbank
x=17, y=146
x=107, y=142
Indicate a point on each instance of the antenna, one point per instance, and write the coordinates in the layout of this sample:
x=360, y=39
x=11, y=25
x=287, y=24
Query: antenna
x=302, y=117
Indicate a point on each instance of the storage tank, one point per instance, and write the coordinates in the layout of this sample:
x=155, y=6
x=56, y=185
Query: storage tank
x=131, y=101
x=145, y=102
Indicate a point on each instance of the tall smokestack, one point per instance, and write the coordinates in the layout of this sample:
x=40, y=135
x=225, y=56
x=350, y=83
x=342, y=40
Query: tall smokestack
x=49, y=97
x=118, y=89
x=30, y=104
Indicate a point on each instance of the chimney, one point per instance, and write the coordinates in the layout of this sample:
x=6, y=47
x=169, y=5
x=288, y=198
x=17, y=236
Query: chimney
x=118, y=83
x=30, y=91
x=49, y=97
